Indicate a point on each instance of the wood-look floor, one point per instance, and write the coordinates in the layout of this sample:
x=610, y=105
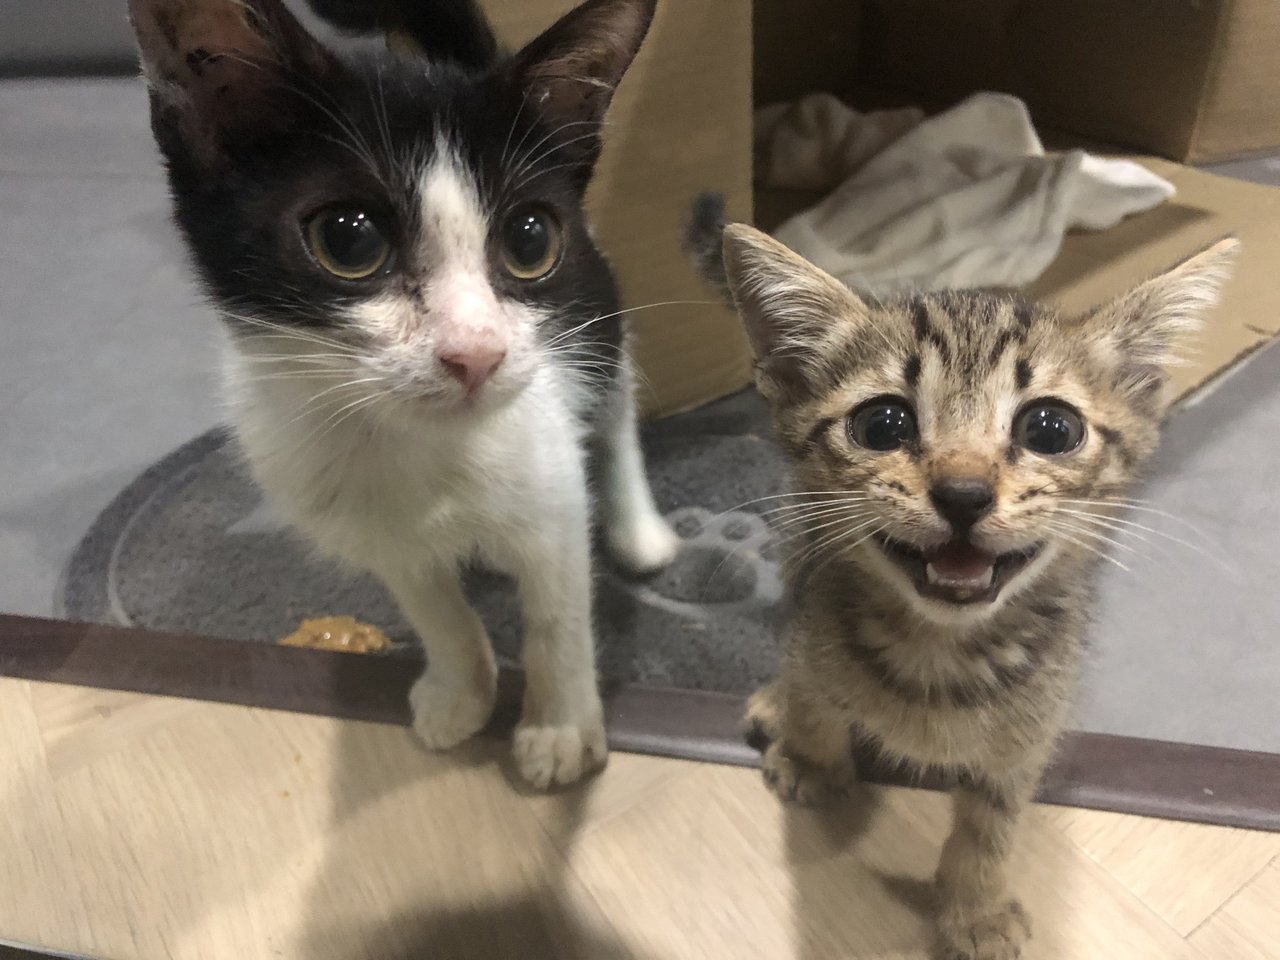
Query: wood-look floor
x=144, y=827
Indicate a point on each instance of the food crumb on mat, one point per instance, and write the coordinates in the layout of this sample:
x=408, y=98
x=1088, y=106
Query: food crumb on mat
x=338, y=633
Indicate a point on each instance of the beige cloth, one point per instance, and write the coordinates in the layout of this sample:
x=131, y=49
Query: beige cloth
x=967, y=198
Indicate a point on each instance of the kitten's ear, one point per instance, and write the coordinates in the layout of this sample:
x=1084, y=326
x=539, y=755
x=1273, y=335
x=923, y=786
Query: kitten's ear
x=795, y=313
x=572, y=69
x=1143, y=330
x=219, y=69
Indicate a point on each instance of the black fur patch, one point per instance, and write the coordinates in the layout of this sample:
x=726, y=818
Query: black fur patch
x=444, y=29
x=998, y=348
x=925, y=331
x=920, y=318
x=911, y=371
x=992, y=794
x=958, y=695
x=1049, y=610
x=756, y=738
x=1023, y=373
x=814, y=438
x=1115, y=439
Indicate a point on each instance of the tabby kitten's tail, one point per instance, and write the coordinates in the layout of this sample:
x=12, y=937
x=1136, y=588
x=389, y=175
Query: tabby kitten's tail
x=704, y=238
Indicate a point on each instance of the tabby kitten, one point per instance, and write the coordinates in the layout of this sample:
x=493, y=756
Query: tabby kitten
x=424, y=337
x=959, y=459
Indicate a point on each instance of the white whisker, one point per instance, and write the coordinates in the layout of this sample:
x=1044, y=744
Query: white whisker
x=1066, y=534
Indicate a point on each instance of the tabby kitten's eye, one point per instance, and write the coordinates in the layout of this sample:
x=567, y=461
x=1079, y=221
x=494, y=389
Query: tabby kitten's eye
x=531, y=241
x=348, y=243
x=885, y=423
x=1049, y=428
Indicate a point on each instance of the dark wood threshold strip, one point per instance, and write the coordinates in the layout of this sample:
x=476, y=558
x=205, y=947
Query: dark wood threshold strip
x=17, y=951
x=1170, y=780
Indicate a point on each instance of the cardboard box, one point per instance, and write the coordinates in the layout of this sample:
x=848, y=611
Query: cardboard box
x=680, y=124
x=804, y=46
x=1191, y=80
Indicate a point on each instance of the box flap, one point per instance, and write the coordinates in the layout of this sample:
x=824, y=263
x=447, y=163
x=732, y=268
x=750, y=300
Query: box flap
x=1093, y=267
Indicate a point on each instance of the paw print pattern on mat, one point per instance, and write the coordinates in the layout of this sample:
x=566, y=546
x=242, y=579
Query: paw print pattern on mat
x=725, y=560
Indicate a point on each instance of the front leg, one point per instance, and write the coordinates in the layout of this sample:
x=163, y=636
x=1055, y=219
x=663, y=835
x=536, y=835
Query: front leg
x=978, y=919
x=807, y=744
x=561, y=732
x=454, y=697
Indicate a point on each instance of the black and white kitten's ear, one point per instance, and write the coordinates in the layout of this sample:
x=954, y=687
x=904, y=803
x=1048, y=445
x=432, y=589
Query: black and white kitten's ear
x=570, y=72
x=1141, y=332
x=223, y=69
x=796, y=315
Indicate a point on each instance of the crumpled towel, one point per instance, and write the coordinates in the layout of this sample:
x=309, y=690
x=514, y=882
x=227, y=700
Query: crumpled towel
x=967, y=198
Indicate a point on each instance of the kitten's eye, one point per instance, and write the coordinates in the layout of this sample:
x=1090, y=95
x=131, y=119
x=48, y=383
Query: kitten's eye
x=885, y=423
x=1049, y=428
x=531, y=241
x=348, y=243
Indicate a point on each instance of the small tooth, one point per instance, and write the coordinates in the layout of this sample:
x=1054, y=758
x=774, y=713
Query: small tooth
x=981, y=582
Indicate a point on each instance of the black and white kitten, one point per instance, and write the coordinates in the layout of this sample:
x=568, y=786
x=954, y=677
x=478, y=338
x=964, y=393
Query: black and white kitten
x=425, y=338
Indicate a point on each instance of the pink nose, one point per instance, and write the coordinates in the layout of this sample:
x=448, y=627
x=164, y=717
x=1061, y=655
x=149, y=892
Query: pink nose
x=472, y=368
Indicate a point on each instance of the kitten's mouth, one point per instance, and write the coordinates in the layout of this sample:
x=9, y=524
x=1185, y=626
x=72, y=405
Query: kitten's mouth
x=957, y=571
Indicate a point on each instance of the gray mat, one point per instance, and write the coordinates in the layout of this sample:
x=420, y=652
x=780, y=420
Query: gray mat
x=1183, y=647
x=192, y=547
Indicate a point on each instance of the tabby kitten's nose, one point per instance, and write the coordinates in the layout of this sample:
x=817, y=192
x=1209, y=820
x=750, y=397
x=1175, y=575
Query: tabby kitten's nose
x=473, y=367
x=962, y=501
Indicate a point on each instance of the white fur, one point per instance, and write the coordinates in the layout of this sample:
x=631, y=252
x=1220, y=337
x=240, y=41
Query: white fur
x=638, y=537
x=384, y=462
x=454, y=308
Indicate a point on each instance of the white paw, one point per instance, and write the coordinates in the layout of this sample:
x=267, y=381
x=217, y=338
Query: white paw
x=643, y=544
x=445, y=714
x=558, y=755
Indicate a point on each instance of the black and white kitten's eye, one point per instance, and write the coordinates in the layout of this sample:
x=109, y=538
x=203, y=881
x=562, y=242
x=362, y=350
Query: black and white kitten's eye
x=1049, y=428
x=348, y=243
x=883, y=424
x=531, y=241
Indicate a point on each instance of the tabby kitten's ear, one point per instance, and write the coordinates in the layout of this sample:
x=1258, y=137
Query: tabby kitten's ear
x=792, y=310
x=223, y=72
x=1141, y=331
x=570, y=72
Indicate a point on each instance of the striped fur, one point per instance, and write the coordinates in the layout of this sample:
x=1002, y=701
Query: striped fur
x=977, y=691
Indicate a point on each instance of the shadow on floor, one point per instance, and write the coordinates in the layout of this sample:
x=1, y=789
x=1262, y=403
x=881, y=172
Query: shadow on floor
x=510, y=893
x=863, y=878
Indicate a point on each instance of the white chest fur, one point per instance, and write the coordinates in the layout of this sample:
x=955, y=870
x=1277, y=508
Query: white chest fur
x=383, y=484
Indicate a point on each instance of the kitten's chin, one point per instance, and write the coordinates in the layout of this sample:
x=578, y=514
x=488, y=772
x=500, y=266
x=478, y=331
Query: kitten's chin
x=957, y=577
x=462, y=405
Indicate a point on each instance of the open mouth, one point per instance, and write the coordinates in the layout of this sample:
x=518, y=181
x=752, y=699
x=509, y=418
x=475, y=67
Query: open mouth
x=957, y=571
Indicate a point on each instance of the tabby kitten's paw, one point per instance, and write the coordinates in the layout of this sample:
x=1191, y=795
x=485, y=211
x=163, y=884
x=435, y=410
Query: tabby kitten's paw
x=446, y=713
x=796, y=780
x=555, y=756
x=997, y=936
